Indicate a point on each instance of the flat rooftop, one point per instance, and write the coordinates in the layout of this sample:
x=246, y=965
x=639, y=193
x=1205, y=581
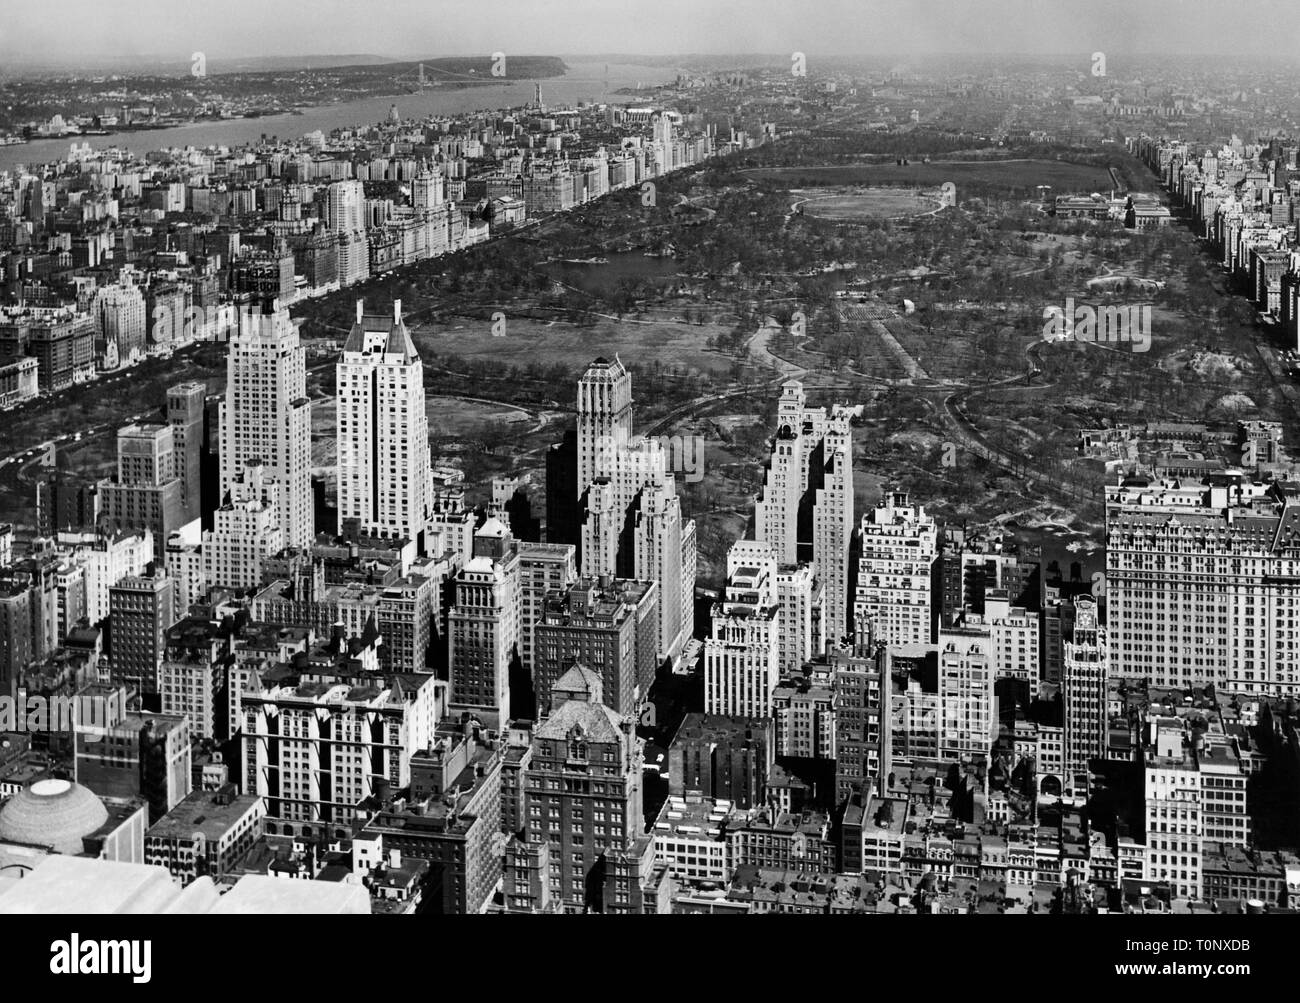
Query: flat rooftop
x=211, y=813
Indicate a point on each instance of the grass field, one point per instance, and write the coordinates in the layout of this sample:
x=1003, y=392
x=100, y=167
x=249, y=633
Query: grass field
x=1021, y=175
x=871, y=203
x=551, y=343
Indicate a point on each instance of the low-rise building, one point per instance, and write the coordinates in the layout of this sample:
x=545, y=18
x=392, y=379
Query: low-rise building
x=208, y=833
x=690, y=837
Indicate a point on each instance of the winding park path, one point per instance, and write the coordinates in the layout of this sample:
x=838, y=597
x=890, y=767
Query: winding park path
x=946, y=401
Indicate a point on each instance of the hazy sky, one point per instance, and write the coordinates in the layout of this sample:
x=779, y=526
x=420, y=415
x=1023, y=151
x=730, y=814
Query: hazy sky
x=61, y=29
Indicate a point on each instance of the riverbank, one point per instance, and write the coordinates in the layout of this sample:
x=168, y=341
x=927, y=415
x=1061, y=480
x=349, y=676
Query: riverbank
x=587, y=82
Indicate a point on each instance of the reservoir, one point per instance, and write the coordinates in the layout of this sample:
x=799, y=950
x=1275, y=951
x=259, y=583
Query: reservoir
x=603, y=278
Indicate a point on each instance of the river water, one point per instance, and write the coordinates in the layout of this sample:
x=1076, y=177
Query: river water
x=582, y=82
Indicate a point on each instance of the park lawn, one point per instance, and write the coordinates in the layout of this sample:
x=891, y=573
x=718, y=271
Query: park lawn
x=880, y=203
x=1020, y=175
x=528, y=341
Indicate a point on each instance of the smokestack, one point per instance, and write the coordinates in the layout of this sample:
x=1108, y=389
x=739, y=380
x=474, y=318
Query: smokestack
x=397, y=311
x=360, y=304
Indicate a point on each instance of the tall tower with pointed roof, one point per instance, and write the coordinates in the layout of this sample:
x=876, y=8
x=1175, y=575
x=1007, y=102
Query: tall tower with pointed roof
x=604, y=418
x=385, y=481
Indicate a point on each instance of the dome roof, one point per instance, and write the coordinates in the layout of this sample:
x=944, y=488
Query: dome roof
x=54, y=813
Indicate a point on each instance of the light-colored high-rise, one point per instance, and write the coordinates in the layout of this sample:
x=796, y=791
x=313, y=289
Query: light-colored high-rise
x=1203, y=583
x=119, y=312
x=895, y=587
x=107, y=557
x=346, y=206
x=266, y=416
x=246, y=531
x=604, y=418
x=800, y=595
x=1172, y=800
x=319, y=742
x=742, y=660
x=1083, y=688
x=346, y=216
x=1014, y=635
x=805, y=509
x=632, y=525
x=385, y=481
x=969, y=722
x=658, y=552
x=427, y=190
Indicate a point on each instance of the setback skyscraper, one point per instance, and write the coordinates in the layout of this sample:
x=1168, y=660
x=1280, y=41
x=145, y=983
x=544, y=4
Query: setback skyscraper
x=805, y=509
x=266, y=416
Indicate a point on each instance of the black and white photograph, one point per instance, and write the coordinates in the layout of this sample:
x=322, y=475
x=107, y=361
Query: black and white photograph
x=718, y=457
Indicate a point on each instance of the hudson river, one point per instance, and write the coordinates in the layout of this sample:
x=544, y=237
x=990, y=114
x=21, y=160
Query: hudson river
x=583, y=82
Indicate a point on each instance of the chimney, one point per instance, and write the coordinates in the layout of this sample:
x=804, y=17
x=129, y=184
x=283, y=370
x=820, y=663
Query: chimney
x=360, y=305
x=397, y=311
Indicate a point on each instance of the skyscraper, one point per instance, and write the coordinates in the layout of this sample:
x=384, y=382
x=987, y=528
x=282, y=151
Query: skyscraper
x=583, y=794
x=658, y=549
x=863, y=744
x=119, y=312
x=607, y=625
x=140, y=611
x=1083, y=686
x=966, y=694
x=266, y=416
x=346, y=206
x=385, y=481
x=604, y=417
x=632, y=523
x=805, y=509
x=246, y=531
x=563, y=511
x=185, y=416
x=483, y=626
x=1173, y=819
x=145, y=494
x=427, y=189
x=543, y=568
x=346, y=214
x=324, y=735
x=800, y=595
x=1202, y=583
x=742, y=660
x=896, y=573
